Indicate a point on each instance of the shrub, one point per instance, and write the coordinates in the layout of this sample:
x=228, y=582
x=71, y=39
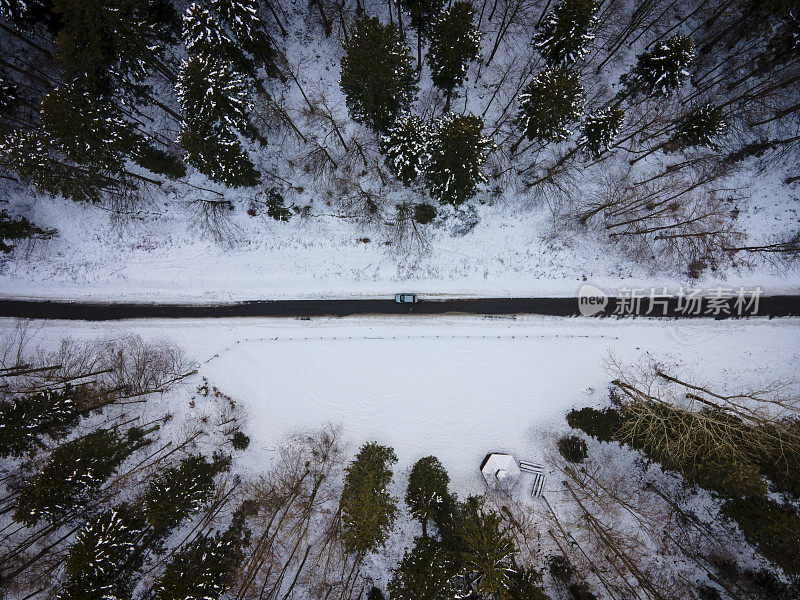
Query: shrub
x=240, y=441
x=772, y=528
x=424, y=213
x=600, y=424
x=158, y=161
x=560, y=567
x=573, y=449
x=17, y=229
x=580, y=591
x=706, y=592
x=275, y=206
x=375, y=594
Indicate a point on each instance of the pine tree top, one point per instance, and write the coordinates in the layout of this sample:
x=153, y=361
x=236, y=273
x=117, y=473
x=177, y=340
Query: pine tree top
x=455, y=41
x=701, y=127
x=377, y=74
x=105, y=554
x=422, y=12
x=407, y=148
x=600, y=129
x=550, y=103
x=662, y=70
x=458, y=150
x=567, y=32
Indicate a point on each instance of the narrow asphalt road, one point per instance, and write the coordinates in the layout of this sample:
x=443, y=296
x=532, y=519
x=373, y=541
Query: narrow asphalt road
x=671, y=307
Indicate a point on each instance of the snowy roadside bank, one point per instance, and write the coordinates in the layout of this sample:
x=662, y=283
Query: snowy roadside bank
x=509, y=253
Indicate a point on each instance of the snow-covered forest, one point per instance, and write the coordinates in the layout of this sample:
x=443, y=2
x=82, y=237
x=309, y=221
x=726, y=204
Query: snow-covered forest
x=528, y=143
x=200, y=151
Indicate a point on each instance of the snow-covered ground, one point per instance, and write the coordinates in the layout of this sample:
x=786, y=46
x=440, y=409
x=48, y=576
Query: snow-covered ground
x=455, y=387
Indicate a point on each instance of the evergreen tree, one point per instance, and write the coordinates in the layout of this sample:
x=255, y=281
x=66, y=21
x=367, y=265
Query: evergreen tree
x=36, y=161
x=458, y=150
x=9, y=94
x=210, y=91
x=159, y=161
x=106, y=50
x=550, y=103
x=487, y=549
x=773, y=528
x=784, y=45
x=73, y=473
x=218, y=154
x=427, y=495
x=225, y=43
x=179, y=492
x=377, y=75
x=701, y=127
x=406, y=146
x=239, y=440
x=600, y=129
x=107, y=552
x=573, y=449
x=375, y=594
x=455, y=42
x=204, y=36
x=113, y=44
x=19, y=228
x=215, y=101
x=241, y=16
x=88, y=128
x=526, y=584
x=661, y=71
x=204, y=569
x=424, y=573
x=229, y=30
x=422, y=14
x=567, y=32
x=368, y=510
x=24, y=420
x=22, y=13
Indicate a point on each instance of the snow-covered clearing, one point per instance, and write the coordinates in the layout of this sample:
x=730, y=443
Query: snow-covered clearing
x=455, y=387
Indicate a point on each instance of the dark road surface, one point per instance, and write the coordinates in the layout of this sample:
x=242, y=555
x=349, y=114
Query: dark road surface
x=766, y=306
